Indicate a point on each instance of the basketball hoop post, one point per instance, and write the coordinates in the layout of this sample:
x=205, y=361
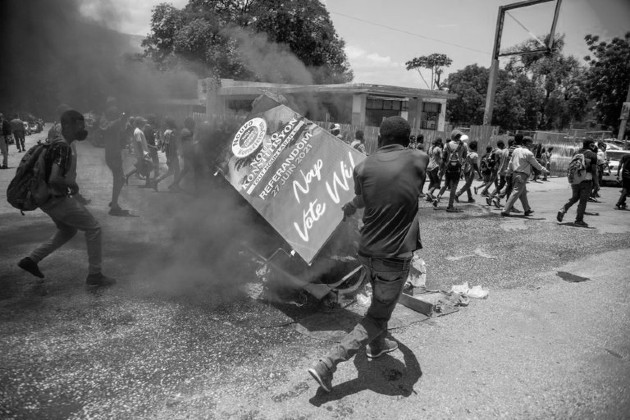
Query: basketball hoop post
x=494, y=66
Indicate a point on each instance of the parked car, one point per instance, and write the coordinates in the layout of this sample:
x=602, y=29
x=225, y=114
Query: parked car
x=610, y=171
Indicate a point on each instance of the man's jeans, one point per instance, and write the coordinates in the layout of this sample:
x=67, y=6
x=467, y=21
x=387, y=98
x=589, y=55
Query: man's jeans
x=70, y=216
x=387, y=277
x=468, y=178
x=519, y=180
x=4, y=149
x=581, y=193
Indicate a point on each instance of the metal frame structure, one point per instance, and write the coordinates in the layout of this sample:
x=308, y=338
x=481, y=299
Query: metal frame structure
x=494, y=68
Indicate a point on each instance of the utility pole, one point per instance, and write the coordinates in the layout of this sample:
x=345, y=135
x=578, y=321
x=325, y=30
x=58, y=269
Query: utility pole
x=625, y=111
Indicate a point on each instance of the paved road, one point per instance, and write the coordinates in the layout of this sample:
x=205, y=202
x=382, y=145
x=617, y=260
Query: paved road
x=181, y=337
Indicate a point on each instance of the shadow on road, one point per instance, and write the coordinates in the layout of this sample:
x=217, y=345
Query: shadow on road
x=385, y=375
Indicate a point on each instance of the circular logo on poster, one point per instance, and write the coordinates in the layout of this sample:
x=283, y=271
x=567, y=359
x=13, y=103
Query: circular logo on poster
x=249, y=137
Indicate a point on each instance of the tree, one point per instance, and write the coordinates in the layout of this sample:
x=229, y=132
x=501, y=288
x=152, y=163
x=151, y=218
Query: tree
x=516, y=103
x=250, y=40
x=608, y=76
x=558, y=78
x=434, y=62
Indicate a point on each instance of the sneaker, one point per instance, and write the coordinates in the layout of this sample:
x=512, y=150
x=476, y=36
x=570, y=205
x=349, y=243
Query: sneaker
x=430, y=198
x=456, y=198
x=528, y=212
x=560, y=216
x=580, y=223
x=497, y=202
x=99, y=280
x=117, y=211
x=29, y=265
x=593, y=200
x=374, y=351
x=505, y=213
x=323, y=375
x=436, y=201
x=471, y=200
x=489, y=200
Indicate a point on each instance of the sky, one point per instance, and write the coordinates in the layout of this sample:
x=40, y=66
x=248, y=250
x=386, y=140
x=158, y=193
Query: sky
x=382, y=35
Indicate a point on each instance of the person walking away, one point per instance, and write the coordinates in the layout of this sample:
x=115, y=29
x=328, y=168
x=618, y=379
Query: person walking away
x=435, y=162
x=169, y=147
x=452, y=161
x=508, y=176
x=494, y=163
x=486, y=168
x=624, y=168
x=420, y=146
x=4, y=141
x=65, y=211
x=582, y=184
x=548, y=166
x=470, y=168
x=386, y=185
x=520, y=167
x=141, y=150
x=359, y=142
x=602, y=161
x=17, y=127
x=536, y=150
x=544, y=161
x=187, y=150
x=149, y=135
x=113, y=129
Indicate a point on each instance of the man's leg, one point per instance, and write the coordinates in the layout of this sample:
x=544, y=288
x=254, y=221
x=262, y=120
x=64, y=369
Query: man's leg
x=575, y=197
x=585, y=188
x=454, y=180
x=4, y=149
x=518, y=182
x=75, y=215
x=64, y=234
x=387, y=277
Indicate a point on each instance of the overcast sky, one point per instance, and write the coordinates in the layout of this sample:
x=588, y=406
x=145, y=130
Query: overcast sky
x=382, y=35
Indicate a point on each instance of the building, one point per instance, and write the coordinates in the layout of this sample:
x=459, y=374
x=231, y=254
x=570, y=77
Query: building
x=357, y=104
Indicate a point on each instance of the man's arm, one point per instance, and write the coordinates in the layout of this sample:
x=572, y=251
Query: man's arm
x=58, y=181
x=532, y=161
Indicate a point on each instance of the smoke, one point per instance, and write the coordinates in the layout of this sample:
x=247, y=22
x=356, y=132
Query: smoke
x=53, y=54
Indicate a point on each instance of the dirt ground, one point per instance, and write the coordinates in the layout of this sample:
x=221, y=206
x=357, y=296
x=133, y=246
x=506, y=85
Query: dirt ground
x=184, y=334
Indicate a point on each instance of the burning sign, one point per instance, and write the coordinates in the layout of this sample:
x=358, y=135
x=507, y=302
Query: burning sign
x=295, y=174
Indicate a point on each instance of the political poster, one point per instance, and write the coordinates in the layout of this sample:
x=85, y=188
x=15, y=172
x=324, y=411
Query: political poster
x=295, y=174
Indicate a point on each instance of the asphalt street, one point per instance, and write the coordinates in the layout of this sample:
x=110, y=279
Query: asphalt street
x=183, y=335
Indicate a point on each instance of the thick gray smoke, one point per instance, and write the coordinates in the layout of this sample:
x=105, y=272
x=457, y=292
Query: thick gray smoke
x=52, y=54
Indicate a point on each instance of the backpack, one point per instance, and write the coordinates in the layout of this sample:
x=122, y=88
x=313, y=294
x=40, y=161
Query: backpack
x=453, y=161
x=485, y=164
x=28, y=189
x=576, y=173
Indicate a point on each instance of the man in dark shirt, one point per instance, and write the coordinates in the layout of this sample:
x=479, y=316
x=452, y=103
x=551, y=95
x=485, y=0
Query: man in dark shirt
x=624, y=168
x=4, y=141
x=68, y=214
x=113, y=128
x=387, y=185
x=582, y=191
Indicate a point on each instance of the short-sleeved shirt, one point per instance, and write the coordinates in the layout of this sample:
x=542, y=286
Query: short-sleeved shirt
x=435, y=158
x=389, y=183
x=60, y=154
x=624, y=166
x=472, y=159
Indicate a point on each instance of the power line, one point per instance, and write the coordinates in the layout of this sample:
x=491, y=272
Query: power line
x=408, y=33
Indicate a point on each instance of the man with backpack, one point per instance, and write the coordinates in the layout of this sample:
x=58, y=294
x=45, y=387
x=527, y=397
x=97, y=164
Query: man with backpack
x=582, y=173
x=68, y=214
x=494, y=161
x=453, y=157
